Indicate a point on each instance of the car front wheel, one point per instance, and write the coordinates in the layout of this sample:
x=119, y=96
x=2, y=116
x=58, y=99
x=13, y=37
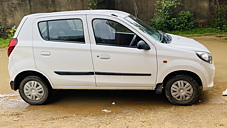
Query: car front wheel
x=182, y=90
x=34, y=90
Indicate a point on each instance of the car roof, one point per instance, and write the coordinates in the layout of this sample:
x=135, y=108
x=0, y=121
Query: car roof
x=80, y=12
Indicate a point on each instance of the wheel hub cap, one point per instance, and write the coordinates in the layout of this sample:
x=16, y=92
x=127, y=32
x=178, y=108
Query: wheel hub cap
x=33, y=90
x=181, y=90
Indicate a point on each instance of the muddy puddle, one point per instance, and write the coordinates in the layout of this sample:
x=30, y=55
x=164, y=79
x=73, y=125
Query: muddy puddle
x=87, y=108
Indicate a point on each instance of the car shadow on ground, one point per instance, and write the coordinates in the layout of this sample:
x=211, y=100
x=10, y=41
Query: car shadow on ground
x=103, y=97
x=120, y=97
x=86, y=102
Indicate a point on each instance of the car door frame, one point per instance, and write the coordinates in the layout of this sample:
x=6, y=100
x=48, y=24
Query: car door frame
x=64, y=79
x=93, y=44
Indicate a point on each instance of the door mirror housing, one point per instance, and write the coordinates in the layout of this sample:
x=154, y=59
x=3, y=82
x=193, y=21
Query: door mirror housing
x=142, y=45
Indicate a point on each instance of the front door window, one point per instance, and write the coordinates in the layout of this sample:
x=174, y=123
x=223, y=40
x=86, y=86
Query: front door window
x=108, y=32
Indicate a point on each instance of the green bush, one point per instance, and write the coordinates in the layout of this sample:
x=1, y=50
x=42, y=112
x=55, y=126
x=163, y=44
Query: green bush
x=164, y=14
x=3, y=33
x=166, y=21
x=6, y=35
x=165, y=8
x=4, y=42
x=221, y=19
x=92, y=4
x=221, y=24
x=224, y=28
x=160, y=23
x=198, y=31
x=184, y=21
x=11, y=32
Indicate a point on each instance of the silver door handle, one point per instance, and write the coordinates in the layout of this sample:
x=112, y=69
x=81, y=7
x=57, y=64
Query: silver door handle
x=104, y=56
x=45, y=53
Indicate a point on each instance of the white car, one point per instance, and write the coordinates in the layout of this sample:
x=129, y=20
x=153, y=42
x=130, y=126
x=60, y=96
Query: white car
x=104, y=49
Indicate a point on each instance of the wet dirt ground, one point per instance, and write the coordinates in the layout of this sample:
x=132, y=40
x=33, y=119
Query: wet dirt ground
x=133, y=109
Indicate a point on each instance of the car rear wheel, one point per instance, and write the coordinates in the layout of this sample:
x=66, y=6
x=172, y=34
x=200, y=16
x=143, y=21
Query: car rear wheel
x=34, y=90
x=182, y=90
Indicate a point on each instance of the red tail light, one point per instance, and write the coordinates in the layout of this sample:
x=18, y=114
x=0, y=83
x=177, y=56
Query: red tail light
x=12, y=44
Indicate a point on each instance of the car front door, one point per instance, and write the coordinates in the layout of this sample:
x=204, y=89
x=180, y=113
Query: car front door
x=117, y=60
x=62, y=51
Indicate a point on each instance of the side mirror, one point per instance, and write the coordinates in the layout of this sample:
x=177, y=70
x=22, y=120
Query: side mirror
x=142, y=45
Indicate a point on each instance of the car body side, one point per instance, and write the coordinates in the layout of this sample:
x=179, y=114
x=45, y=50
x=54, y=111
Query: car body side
x=168, y=60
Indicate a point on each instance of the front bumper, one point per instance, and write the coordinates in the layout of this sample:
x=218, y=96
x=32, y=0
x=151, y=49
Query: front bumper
x=208, y=75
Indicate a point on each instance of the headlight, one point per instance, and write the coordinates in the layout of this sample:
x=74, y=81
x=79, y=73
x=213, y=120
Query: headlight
x=205, y=56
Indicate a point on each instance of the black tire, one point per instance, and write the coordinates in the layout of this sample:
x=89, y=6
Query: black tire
x=34, y=90
x=182, y=90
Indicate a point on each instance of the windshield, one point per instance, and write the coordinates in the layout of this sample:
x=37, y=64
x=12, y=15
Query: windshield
x=145, y=28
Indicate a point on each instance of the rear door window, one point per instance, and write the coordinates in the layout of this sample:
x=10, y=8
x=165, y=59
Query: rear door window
x=62, y=30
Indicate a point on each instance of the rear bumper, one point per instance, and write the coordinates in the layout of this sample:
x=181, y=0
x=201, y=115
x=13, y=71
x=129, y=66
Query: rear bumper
x=12, y=85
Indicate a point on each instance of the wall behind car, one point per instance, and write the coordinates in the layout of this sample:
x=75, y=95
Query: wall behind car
x=12, y=11
x=145, y=9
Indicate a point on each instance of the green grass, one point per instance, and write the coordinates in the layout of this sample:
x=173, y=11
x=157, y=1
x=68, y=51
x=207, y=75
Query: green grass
x=200, y=32
x=4, y=42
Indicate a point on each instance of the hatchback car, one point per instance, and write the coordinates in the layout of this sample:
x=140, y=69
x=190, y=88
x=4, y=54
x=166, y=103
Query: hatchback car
x=104, y=49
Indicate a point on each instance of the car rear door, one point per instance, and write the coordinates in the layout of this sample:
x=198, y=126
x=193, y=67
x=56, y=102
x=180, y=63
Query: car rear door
x=116, y=64
x=62, y=51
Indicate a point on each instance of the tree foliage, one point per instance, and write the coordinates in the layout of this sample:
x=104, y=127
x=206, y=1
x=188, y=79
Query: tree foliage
x=165, y=19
